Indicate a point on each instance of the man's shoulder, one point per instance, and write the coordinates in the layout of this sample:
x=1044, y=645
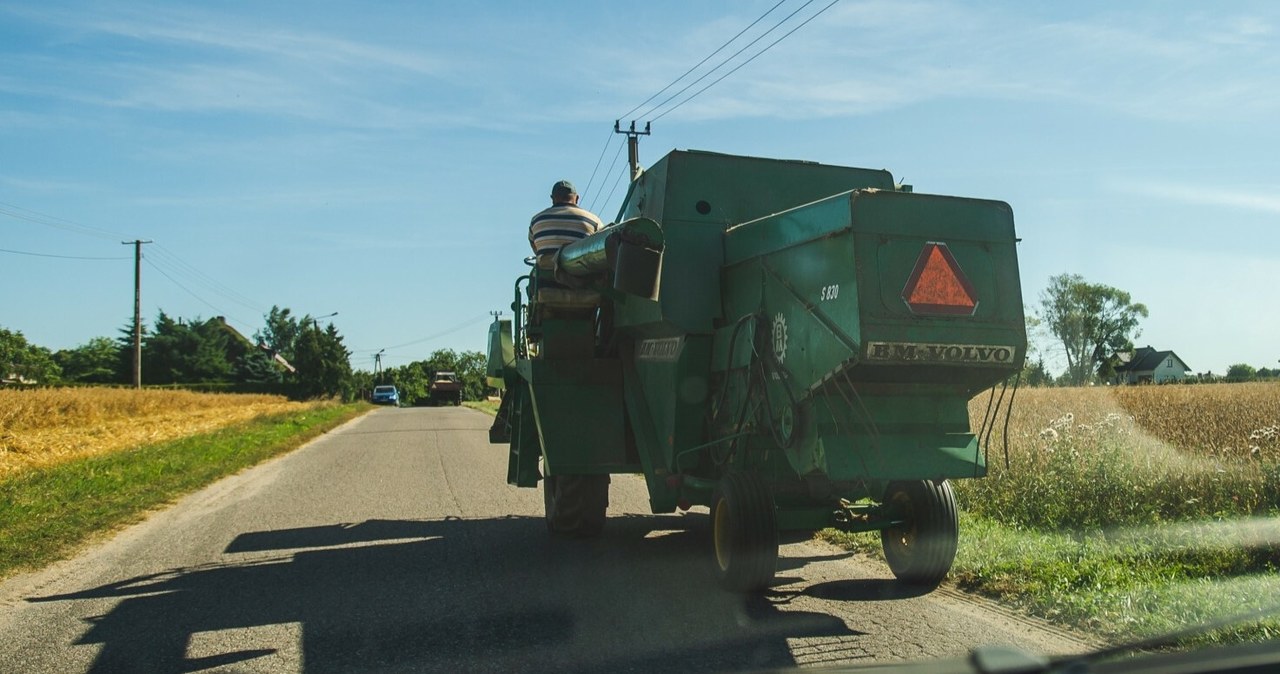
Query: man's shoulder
x=567, y=211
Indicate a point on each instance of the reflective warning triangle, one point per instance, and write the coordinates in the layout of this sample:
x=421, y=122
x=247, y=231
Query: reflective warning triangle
x=937, y=285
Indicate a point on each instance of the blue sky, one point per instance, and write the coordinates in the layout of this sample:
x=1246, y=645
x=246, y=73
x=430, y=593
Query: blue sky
x=381, y=160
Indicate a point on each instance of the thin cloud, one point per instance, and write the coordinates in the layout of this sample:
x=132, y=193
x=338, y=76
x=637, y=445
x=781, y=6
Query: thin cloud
x=868, y=57
x=162, y=24
x=1201, y=195
x=28, y=184
x=216, y=63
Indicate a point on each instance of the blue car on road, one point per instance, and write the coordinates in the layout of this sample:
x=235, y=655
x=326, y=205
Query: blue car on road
x=386, y=395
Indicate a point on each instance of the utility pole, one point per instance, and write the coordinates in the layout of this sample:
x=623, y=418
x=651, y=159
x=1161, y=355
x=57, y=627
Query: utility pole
x=633, y=144
x=377, y=366
x=496, y=315
x=137, y=309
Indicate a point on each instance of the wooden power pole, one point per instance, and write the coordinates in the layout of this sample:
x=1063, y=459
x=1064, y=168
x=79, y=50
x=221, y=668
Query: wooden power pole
x=137, y=309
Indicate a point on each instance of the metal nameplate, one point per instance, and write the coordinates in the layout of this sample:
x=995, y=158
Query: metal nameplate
x=666, y=349
x=939, y=353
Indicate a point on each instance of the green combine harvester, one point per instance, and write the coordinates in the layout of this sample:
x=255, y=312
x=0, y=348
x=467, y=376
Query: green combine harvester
x=790, y=344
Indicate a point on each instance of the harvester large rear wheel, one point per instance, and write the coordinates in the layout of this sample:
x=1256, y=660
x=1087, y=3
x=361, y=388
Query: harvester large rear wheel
x=576, y=504
x=922, y=547
x=744, y=530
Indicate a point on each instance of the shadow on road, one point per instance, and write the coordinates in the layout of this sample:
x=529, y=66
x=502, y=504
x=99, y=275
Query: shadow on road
x=455, y=595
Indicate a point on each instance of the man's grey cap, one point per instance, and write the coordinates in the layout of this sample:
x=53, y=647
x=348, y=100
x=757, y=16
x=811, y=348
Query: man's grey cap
x=562, y=189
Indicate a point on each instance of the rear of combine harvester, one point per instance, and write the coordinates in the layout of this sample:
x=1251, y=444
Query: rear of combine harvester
x=790, y=344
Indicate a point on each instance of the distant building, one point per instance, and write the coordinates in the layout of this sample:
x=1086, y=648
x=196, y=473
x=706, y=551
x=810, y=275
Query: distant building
x=1148, y=366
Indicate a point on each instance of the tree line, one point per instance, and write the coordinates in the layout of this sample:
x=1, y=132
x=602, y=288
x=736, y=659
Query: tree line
x=291, y=355
x=1091, y=324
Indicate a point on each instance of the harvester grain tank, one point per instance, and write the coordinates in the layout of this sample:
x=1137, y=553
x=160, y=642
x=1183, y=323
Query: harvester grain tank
x=790, y=344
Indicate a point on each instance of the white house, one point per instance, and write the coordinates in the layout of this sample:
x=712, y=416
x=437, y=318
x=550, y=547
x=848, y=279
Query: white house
x=1148, y=366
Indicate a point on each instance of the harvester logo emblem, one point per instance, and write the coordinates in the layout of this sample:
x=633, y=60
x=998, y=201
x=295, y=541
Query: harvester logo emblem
x=937, y=285
x=780, y=337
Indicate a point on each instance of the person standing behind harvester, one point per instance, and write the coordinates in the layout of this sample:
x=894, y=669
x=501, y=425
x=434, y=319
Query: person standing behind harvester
x=561, y=224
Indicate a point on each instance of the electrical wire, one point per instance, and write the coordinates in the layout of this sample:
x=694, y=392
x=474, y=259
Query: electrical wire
x=465, y=324
x=63, y=257
x=616, y=182
x=603, y=150
x=617, y=154
x=186, y=270
x=28, y=215
x=756, y=55
x=699, y=64
x=723, y=63
x=191, y=293
x=170, y=260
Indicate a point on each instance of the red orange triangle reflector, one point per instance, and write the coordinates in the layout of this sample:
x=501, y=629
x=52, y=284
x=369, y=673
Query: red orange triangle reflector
x=938, y=286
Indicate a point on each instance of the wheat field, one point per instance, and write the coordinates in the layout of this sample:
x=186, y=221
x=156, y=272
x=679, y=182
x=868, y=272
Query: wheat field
x=42, y=427
x=1203, y=420
x=1108, y=456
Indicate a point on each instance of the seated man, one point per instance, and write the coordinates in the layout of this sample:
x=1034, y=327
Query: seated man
x=561, y=224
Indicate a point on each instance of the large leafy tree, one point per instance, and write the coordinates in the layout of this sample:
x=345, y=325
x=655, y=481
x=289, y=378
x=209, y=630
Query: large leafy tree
x=282, y=330
x=178, y=352
x=1241, y=372
x=26, y=360
x=97, y=361
x=324, y=368
x=256, y=366
x=1091, y=321
x=412, y=380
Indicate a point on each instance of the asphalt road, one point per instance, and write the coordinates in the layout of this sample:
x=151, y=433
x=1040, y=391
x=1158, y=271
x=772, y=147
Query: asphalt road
x=394, y=544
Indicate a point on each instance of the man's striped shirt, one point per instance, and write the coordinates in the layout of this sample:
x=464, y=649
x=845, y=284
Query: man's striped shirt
x=559, y=226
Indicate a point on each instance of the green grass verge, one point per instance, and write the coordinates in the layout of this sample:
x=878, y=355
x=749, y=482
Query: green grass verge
x=47, y=514
x=490, y=408
x=1119, y=586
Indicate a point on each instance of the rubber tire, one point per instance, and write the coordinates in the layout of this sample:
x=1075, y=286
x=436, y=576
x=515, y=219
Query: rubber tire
x=921, y=550
x=744, y=533
x=576, y=505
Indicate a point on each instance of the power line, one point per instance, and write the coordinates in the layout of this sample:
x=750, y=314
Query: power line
x=20, y=213
x=598, y=159
x=465, y=324
x=699, y=64
x=602, y=182
x=753, y=58
x=164, y=257
x=722, y=64
x=203, y=301
x=686, y=73
x=616, y=182
x=63, y=257
x=181, y=267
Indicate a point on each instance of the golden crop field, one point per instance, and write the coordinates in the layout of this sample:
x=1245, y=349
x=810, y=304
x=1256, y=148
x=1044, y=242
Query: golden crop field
x=42, y=427
x=1102, y=456
x=1200, y=420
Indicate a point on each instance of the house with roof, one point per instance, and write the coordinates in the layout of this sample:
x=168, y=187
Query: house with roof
x=1149, y=366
